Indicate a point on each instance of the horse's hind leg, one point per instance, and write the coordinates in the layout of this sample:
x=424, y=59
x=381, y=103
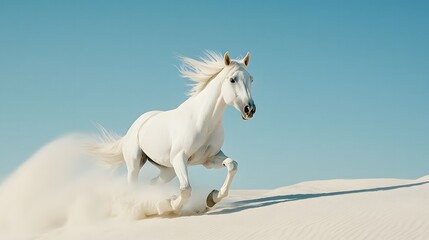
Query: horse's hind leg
x=134, y=159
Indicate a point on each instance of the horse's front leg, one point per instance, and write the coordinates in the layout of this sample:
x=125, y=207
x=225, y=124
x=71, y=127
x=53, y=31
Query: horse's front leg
x=180, y=165
x=218, y=161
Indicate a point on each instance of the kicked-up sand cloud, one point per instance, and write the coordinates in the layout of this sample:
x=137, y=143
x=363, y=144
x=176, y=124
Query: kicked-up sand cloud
x=60, y=186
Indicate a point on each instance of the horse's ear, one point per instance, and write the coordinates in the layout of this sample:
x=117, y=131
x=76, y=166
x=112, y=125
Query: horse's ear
x=227, y=59
x=246, y=59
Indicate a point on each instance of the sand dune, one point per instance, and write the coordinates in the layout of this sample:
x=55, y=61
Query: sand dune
x=387, y=209
x=96, y=207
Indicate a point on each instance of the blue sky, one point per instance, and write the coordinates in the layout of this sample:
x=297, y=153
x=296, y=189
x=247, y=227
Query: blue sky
x=341, y=86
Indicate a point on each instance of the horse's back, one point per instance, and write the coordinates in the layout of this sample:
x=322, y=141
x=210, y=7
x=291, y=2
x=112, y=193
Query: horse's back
x=135, y=127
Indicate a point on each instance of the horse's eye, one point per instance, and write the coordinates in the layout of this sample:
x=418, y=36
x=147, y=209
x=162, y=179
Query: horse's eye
x=232, y=80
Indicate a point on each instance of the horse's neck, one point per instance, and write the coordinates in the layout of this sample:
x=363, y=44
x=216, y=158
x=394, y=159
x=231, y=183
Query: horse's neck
x=208, y=107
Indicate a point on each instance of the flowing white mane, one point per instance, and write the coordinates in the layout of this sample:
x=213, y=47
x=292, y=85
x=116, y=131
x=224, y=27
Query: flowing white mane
x=201, y=71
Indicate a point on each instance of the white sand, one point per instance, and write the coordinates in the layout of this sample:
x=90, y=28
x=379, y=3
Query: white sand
x=95, y=207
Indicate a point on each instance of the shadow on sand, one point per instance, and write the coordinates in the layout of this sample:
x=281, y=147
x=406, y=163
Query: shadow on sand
x=267, y=201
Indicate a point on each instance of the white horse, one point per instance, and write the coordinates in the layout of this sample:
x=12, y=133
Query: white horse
x=192, y=133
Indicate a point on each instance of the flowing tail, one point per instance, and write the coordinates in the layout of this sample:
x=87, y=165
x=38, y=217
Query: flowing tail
x=108, y=149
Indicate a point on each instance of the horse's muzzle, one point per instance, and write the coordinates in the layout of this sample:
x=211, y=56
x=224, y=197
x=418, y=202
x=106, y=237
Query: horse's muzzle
x=248, y=111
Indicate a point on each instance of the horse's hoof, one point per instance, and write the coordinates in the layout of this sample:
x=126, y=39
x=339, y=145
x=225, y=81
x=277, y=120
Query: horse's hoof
x=210, y=198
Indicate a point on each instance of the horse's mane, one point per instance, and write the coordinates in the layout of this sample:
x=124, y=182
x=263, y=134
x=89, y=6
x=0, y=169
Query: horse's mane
x=201, y=71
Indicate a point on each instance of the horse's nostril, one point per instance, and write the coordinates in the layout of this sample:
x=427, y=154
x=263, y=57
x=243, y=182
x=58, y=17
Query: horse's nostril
x=246, y=109
x=253, y=110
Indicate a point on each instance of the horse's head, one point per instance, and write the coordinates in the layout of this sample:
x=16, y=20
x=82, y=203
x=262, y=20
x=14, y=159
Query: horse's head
x=237, y=86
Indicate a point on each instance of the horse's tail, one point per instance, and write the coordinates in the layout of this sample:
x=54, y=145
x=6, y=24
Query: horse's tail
x=108, y=149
